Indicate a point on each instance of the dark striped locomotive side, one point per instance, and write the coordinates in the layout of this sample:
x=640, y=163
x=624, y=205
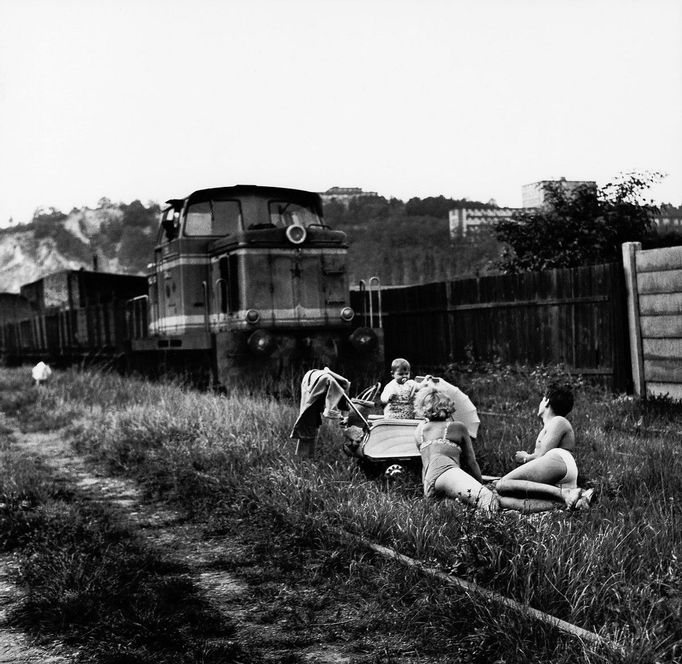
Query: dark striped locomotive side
x=252, y=279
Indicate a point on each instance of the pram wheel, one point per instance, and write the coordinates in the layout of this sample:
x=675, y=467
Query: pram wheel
x=394, y=471
x=385, y=470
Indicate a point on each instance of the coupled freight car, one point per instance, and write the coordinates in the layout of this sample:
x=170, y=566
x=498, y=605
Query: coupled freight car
x=69, y=316
x=249, y=280
x=246, y=281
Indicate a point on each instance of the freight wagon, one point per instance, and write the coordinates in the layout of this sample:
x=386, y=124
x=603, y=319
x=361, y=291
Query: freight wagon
x=69, y=316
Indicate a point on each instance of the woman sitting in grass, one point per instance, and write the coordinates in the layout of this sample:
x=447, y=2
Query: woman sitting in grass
x=446, y=449
x=547, y=478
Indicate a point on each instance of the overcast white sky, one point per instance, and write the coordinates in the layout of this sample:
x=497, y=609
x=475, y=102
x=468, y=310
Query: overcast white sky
x=152, y=99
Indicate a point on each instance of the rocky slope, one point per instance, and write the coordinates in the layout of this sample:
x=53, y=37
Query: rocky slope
x=24, y=259
x=117, y=238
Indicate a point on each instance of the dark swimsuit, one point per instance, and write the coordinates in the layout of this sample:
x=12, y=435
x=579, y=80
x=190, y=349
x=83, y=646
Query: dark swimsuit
x=438, y=455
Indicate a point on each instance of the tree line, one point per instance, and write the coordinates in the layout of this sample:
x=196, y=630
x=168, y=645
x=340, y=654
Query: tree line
x=584, y=226
x=410, y=242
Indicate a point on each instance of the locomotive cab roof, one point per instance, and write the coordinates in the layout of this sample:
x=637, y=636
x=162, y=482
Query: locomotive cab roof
x=249, y=212
x=308, y=198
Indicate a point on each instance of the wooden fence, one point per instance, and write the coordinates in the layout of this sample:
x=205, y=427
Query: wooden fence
x=573, y=316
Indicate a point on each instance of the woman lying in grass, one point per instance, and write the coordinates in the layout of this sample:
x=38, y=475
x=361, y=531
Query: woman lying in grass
x=446, y=449
x=547, y=478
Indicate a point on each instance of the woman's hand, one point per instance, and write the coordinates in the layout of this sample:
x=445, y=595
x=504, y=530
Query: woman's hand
x=521, y=456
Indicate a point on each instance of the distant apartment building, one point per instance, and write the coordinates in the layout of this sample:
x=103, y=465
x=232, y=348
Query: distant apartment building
x=467, y=222
x=345, y=195
x=533, y=195
x=668, y=221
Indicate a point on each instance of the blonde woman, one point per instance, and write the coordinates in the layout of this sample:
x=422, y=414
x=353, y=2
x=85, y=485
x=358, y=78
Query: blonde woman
x=446, y=452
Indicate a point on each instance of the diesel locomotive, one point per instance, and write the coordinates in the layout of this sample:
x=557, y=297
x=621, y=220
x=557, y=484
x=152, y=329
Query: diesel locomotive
x=246, y=281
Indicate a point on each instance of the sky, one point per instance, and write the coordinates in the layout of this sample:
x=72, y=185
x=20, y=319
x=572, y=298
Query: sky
x=153, y=99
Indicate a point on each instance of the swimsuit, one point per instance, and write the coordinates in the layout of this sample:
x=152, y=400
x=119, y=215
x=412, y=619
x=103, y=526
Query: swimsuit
x=438, y=455
x=570, y=479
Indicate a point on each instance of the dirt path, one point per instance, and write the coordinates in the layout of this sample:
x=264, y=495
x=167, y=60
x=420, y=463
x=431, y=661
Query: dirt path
x=161, y=528
x=16, y=647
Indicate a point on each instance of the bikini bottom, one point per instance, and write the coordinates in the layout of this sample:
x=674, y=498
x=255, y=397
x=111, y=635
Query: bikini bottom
x=570, y=479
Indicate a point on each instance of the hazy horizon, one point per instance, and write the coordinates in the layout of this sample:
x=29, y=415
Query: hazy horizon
x=153, y=99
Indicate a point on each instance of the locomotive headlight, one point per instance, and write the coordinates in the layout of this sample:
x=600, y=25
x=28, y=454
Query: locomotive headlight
x=296, y=234
x=261, y=343
x=363, y=339
x=347, y=314
x=252, y=316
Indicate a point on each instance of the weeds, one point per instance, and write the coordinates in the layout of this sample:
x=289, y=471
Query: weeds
x=227, y=460
x=90, y=582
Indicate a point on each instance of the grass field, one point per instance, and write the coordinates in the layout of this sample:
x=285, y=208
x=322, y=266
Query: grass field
x=227, y=462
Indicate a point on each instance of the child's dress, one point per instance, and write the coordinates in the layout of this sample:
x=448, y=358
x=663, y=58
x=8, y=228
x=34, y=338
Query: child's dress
x=399, y=399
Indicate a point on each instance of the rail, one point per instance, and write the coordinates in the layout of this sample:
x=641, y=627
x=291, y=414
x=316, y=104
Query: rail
x=367, y=291
x=204, y=288
x=221, y=294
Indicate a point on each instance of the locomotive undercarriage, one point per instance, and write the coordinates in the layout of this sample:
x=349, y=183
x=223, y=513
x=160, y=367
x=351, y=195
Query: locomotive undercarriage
x=239, y=358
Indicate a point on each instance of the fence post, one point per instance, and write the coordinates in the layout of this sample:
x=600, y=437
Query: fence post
x=630, y=250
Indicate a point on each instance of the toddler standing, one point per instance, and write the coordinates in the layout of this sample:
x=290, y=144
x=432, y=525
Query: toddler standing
x=398, y=395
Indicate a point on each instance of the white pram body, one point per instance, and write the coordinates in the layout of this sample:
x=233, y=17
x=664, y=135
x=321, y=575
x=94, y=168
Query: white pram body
x=388, y=440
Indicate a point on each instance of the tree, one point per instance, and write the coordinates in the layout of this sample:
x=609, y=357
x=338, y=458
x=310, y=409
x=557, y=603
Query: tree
x=138, y=232
x=47, y=221
x=439, y=206
x=585, y=226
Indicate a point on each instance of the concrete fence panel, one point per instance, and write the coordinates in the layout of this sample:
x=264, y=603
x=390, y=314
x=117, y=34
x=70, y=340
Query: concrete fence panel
x=654, y=297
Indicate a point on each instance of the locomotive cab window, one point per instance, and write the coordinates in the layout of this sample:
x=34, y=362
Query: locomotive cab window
x=170, y=224
x=286, y=213
x=213, y=218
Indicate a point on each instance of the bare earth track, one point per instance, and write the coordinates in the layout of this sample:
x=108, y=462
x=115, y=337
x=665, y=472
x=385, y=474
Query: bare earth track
x=163, y=530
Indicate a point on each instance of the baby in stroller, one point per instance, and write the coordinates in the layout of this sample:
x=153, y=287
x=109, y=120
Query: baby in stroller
x=398, y=395
x=385, y=443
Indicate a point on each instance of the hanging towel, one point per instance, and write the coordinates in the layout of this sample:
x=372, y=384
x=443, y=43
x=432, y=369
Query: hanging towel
x=322, y=391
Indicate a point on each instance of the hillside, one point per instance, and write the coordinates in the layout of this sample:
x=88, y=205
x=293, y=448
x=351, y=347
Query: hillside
x=396, y=241
x=55, y=241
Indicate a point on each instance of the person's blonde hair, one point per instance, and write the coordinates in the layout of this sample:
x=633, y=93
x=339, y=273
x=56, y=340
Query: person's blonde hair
x=433, y=405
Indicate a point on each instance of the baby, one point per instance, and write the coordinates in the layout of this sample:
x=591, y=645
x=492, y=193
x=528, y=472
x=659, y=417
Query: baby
x=398, y=395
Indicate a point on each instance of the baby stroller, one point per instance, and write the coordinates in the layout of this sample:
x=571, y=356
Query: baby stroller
x=387, y=446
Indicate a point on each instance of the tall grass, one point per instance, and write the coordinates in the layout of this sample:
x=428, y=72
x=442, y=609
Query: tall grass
x=614, y=569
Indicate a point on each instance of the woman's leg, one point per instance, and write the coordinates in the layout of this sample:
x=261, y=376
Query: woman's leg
x=526, y=488
x=536, y=480
x=532, y=486
x=529, y=505
x=545, y=470
x=455, y=483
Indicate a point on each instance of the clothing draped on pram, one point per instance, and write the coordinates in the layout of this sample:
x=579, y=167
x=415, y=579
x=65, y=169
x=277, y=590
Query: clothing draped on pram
x=322, y=392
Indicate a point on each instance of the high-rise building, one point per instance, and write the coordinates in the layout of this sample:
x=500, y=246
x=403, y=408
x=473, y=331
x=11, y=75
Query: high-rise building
x=469, y=221
x=533, y=195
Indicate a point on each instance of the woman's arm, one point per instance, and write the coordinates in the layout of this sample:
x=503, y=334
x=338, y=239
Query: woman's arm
x=458, y=433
